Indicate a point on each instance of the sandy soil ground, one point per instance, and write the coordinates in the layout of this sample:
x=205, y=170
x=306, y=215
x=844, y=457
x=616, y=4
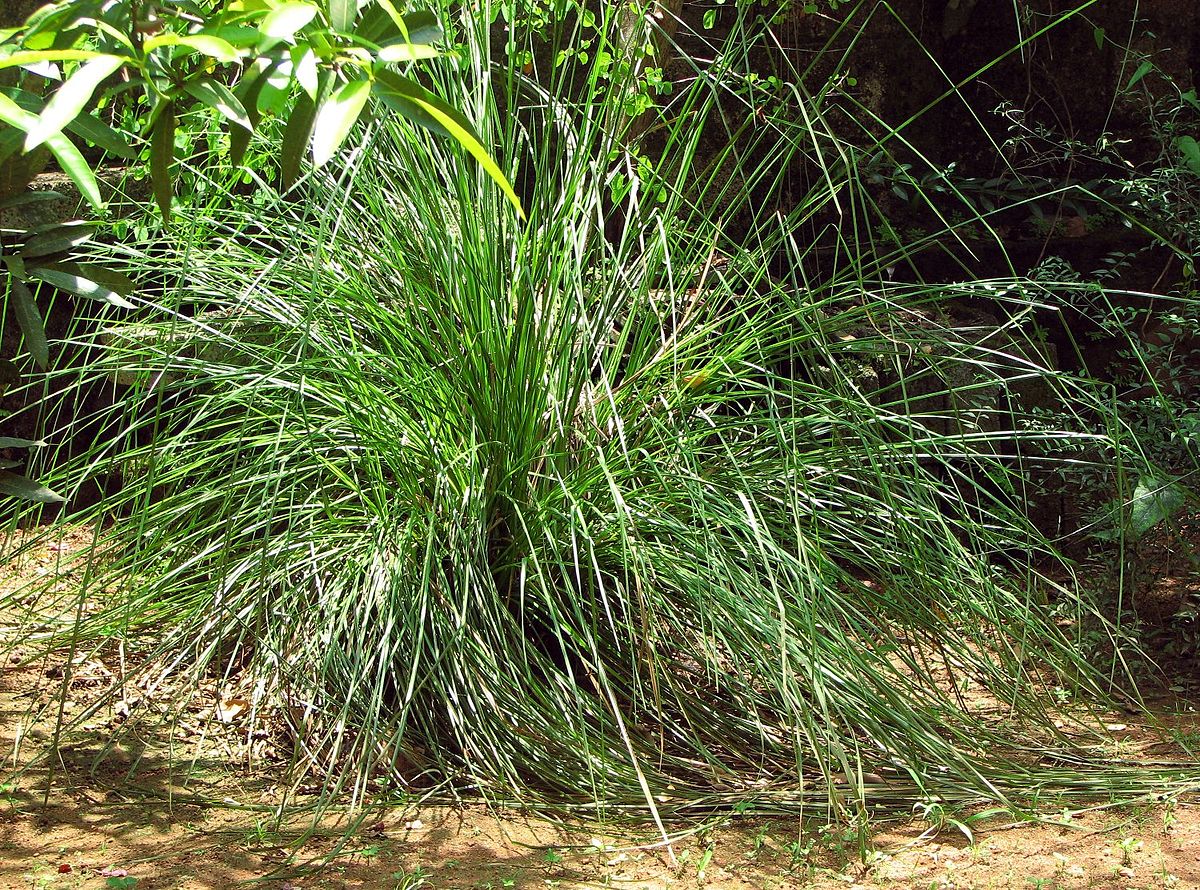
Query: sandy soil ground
x=152, y=812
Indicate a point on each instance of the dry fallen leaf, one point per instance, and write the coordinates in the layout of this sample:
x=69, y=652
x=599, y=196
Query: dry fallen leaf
x=229, y=709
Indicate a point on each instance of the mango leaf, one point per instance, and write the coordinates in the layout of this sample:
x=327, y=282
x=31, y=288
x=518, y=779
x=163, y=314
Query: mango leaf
x=376, y=25
x=67, y=155
x=206, y=44
x=70, y=99
x=305, y=70
x=382, y=22
x=248, y=91
x=217, y=96
x=116, y=34
x=427, y=110
x=75, y=166
x=32, y=57
x=57, y=240
x=1154, y=501
x=336, y=117
x=70, y=280
x=274, y=93
x=250, y=6
x=282, y=23
x=236, y=34
x=162, y=154
x=27, y=490
x=422, y=27
x=10, y=143
x=101, y=274
x=29, y=319
x=403, y=51
x=295, y=139
x=91, y=129
x=86, y=126
x=22, y=199
x=342, y=14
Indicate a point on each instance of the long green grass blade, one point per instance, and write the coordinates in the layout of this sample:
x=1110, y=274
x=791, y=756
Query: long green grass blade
x=427, y=110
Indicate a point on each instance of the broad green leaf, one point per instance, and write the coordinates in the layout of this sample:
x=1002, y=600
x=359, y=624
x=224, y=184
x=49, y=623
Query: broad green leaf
x=162, y=155
x=383, y=23
x=1098, y=36
x=342, y=14
x=421, y=27
x=79, y=285
x=15, y=264
x=30, y=57
x=120, y=36
x=304, y=69
x=1142, y=70
x=1190, y=150
x=76, y=167
x=101, y=274
x=29, y=320
x=26, y=489
x=216, y=95
x=403, y=51
x=427, y=110
x=10, y=145
x=206, y=44
x=240, y=36
x=91, y=129
x=1154, y=501
x=48, y=70
x=249, y=6
x=336, y=117
x=10, y=442
x=295, y=139
x=57, y=240
x=86, y=126
x=68, y=156
x=248, y=91
x=282, y=23
x=415, y=27
x=70, y=99
x=274, y=93
x=376, y=25
x=21, y=199
x=14, y=115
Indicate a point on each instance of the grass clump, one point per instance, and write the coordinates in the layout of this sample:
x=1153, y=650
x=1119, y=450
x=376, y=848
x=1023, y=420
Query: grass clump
x=574, y=513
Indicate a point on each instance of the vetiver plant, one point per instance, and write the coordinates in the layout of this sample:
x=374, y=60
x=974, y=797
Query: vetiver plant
x=570, y=516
